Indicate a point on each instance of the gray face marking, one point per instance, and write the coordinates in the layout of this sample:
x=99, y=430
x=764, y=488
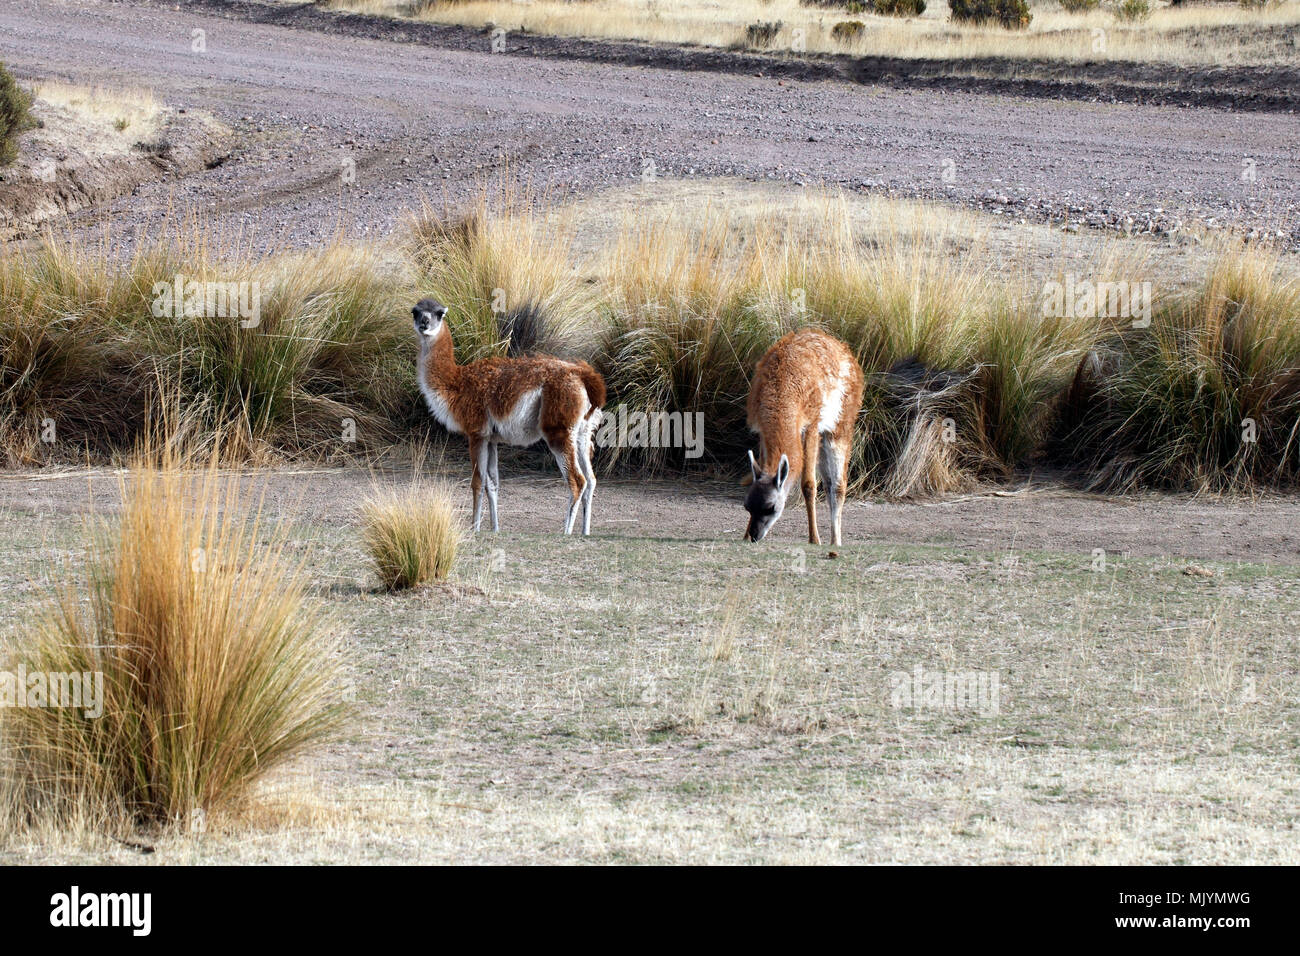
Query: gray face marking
x=766, y=498
x=428, y=315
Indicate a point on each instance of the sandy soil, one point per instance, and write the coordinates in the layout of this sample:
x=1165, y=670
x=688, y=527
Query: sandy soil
x=408, y=120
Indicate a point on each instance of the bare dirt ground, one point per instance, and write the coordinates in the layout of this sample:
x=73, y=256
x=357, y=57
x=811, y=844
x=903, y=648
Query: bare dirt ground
x=1036, y=515
x=69, y=163
x=303, y=106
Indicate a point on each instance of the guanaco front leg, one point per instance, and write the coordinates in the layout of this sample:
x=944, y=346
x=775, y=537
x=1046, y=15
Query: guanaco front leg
x=809, y=482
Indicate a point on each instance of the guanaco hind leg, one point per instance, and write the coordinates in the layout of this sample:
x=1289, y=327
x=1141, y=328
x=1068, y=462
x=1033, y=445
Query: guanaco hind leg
x=585, y=444
x=493, y=483
x=834, y=467
x=564, y=446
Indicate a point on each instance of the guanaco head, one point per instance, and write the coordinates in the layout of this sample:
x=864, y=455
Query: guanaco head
x=428, y=315
x=766, y=498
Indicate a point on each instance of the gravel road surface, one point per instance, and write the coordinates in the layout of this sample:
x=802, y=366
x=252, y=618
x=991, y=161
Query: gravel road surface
x=331, y=131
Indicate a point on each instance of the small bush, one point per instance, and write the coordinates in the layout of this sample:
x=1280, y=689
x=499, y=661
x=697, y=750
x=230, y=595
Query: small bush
x=763, y=33
x=848, y=30
x=900, y=8
x=15, y=115
x=1079, y=6
x=215, y=666
x=848, y=6
x=1132, y=11
x=411, y=534
x=1011, y=14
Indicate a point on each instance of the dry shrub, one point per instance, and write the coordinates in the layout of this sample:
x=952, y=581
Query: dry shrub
x=216, y=666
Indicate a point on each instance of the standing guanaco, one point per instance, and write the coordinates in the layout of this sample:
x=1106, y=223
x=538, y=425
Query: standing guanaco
x=514, y=400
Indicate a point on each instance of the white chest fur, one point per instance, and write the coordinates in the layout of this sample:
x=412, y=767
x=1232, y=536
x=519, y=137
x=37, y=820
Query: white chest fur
x=437, y=403
x=439, y=408
x=833, y=400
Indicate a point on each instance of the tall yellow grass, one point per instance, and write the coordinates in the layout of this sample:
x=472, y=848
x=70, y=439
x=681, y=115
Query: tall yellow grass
x=674, y=310
x=216, y=666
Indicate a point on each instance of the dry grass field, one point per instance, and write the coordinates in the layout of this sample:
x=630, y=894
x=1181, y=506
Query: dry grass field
x=1193, y=35
x=664, y=693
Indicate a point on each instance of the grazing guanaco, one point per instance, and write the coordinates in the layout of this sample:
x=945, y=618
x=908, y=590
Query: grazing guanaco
x=514, y=400
x=804, y=400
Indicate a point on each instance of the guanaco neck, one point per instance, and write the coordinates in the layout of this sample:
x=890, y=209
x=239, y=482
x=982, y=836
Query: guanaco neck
x=781, y=438
x=438, y=369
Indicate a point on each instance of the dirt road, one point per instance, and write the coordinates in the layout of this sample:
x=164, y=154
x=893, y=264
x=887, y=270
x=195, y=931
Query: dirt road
x=335, y=129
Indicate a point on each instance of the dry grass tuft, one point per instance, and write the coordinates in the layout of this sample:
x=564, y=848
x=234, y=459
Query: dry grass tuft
x=215, y=666
x=506, y=274
x=411, y=534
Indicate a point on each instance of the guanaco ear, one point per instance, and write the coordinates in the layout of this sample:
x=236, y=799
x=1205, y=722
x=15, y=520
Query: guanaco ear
x=753, y=467
x=782, y=472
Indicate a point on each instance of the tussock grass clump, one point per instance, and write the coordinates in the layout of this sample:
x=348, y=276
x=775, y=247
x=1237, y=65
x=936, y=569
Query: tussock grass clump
x=411, y=534
x=326, y=348
x=74, y=379
x=899, y=8
x=762, y=34
x=90, y=342
x=216, y=667
x=506, y=276
x=1207, y=398
x=1132, y=11
x=686, y=319
x=847, y=31
x=1009, y=14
